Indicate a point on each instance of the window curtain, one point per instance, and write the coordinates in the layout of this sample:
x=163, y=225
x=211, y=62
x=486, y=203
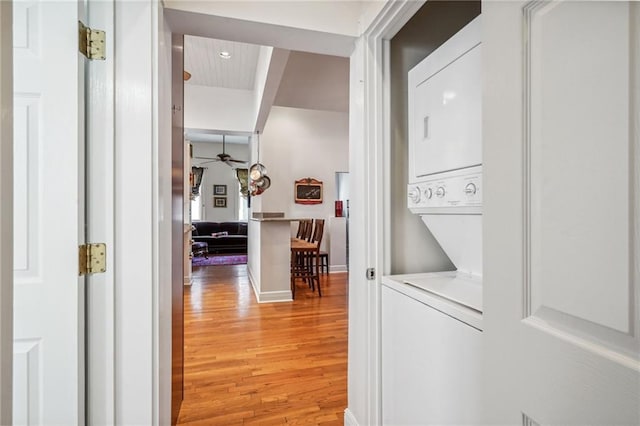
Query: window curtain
x=196, y=175
x=243, y=178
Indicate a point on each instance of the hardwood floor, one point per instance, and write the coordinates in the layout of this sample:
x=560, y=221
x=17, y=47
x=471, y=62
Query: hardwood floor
x=269, y=364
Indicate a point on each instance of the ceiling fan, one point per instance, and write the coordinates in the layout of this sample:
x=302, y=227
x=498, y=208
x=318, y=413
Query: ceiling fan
x=224, y=157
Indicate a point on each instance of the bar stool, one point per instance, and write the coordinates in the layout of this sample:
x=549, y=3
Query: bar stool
x=324, y=262
x=305, y=259
x=303, y=226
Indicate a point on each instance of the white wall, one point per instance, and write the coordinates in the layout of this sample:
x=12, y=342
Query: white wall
x=218, y=173
x=340, y=17
x=300, y=143
x=218, y=108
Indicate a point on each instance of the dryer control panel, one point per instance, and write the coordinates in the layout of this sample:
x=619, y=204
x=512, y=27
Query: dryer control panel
x=459, y=192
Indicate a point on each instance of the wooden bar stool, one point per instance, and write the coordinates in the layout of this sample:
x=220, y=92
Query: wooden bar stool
x=305, y=259
x=324, y=262
x=301, y=267
x=303, y=224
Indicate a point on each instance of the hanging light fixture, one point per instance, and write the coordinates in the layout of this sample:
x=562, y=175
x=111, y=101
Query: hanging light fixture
x=258, y=173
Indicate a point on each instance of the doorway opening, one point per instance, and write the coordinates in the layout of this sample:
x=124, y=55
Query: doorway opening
x=304, y=132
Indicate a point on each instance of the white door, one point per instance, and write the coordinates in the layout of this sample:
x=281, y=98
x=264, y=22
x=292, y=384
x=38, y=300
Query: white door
x=561, y=212
x=48, y=384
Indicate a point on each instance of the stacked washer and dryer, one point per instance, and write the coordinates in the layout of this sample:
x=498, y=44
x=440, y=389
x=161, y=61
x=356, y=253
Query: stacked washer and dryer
x=432, y=322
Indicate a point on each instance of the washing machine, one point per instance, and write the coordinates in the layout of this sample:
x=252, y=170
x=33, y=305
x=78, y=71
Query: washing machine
x=432, y=322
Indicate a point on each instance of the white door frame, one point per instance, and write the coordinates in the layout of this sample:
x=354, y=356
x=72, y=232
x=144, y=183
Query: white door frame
x=370, y=166
x=6, y=210
x=135, y=255
x=99, y=199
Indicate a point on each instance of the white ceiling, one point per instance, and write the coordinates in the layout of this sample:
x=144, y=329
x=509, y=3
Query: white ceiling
x=309, y=80
x=207, y=68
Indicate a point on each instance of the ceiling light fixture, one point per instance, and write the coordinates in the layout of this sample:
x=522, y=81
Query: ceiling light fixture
x=225, y=55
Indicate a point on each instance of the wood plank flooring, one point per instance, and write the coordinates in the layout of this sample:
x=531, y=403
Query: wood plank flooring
x=268, y=364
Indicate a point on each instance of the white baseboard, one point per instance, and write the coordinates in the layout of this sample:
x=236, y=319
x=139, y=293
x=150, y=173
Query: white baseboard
x=269, y=296
x=349, y=418
x=337, y=268
x=274, y=296
x=253, y=284
x=187, y=280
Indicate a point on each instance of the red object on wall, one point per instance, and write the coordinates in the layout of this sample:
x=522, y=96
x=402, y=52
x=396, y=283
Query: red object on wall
x=338, y=208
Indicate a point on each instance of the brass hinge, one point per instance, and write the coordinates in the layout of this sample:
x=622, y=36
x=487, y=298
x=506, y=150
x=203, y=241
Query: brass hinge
x=92, y=259
x=92, y=42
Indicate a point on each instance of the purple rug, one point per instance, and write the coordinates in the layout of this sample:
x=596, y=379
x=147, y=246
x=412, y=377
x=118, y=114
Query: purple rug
x=227, y=259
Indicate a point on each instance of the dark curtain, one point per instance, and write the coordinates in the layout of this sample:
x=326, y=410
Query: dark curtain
x=197, y=173
x=243, y=178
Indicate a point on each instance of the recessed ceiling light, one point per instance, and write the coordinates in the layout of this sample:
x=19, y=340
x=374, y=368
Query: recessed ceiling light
x=225, y=55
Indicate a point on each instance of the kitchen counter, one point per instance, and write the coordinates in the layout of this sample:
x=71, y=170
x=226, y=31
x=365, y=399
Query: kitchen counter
x=269, y=257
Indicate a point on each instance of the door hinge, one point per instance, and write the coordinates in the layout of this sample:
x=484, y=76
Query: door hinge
x=92, y=42
x=371, y=273
x=92, y=259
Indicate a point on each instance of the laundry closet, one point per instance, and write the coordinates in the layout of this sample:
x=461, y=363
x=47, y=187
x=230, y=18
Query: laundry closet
x=511, y=285
x=432, y=315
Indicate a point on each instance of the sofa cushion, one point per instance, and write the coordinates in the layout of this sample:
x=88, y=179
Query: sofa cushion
x=209, y=228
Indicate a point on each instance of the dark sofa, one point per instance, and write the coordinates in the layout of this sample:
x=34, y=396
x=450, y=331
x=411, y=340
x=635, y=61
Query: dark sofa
x=235, y=242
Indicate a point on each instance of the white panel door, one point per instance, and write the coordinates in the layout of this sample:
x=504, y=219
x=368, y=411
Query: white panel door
x=48, y=295
x=562, y=212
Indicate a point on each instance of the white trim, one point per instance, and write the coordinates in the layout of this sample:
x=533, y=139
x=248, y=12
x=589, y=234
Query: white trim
x=6, y=211
x=99, y=199
x=134, y=233
x=337, y=268
x=349, y=418
x=268, y=296
x=252, y=281
x=162, y=211
x=274, y=296
x=374, y=119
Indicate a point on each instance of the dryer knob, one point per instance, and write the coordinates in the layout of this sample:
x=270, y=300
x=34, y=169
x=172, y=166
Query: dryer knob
x=428, y=193
x=414, y=195
x=470, y=189
x=440, y=192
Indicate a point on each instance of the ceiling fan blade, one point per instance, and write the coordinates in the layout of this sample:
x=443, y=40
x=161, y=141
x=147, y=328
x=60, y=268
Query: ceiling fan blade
x=236, y=161
x=206, y=158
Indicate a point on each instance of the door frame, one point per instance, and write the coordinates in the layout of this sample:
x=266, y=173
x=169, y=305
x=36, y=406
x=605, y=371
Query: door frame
x=370, y=143
x=6, y=210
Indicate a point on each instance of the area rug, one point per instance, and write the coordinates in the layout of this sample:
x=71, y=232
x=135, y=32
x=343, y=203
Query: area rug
x=229, y=259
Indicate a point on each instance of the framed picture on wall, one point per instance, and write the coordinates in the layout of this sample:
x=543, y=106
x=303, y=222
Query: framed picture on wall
x=220, y=202
x=308, y=191
x=219, y=189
